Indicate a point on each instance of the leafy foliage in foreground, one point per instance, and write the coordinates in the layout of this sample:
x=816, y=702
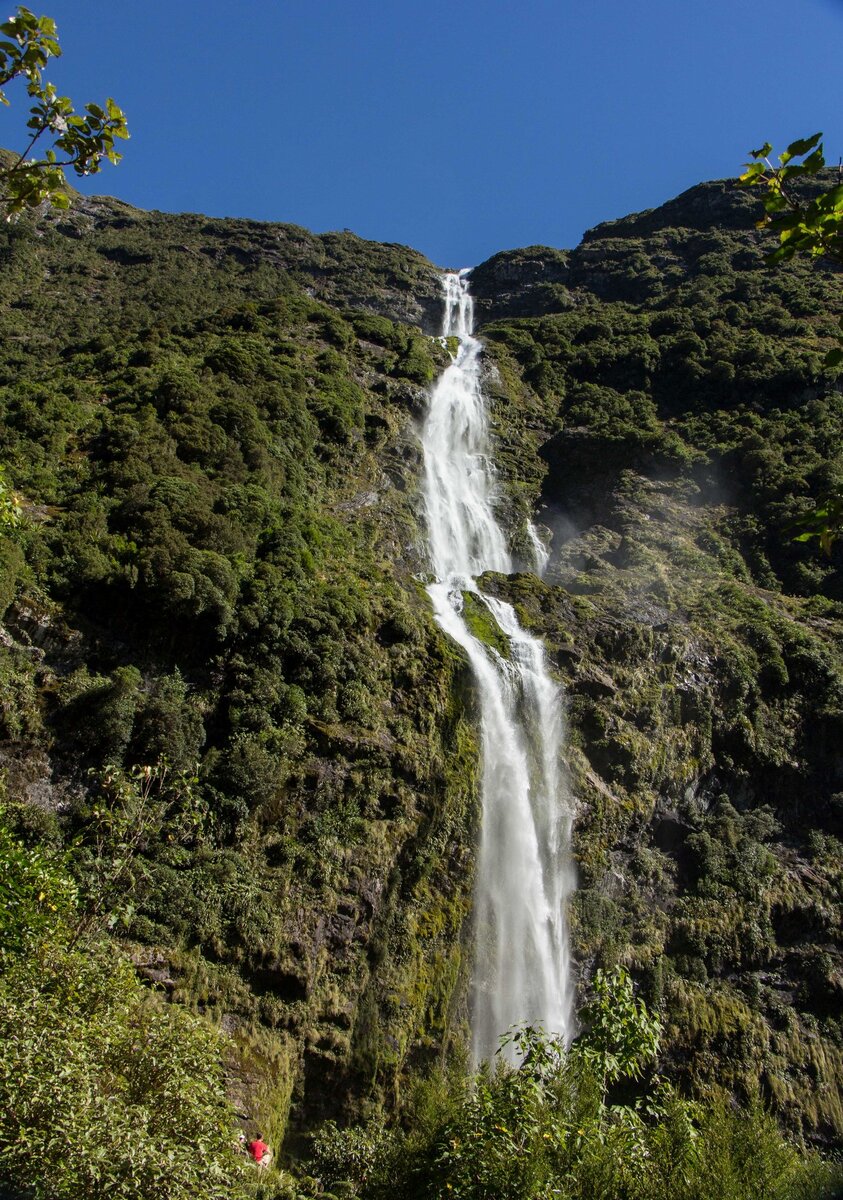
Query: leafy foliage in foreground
x=576, y=1126
x=83, y=140
x=813, y=227
x=104, y=1090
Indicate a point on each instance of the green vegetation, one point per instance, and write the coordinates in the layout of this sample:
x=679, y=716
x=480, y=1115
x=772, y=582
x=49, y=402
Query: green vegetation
x=77, y=141
x=483, y=625
x=107, y=1091
x=224, y=702
x=593, y=1124
x=813, y=226
x=104, y=1090
x=803, y=226
x=219, y=657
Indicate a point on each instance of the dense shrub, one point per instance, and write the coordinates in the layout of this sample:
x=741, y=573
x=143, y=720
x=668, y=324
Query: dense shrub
x=556, y=1126
x=104, y=1090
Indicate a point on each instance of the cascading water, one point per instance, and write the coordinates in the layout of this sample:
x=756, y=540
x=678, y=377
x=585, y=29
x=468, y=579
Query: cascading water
x=524, y=869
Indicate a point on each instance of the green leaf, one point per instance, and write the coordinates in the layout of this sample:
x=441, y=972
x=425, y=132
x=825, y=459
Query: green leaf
x=814, y=162
x=752, y=174
x=775, y=202
x=801, y=146
x=780, y=255
x=762, y=152
x=791, y=172
x=831, y=201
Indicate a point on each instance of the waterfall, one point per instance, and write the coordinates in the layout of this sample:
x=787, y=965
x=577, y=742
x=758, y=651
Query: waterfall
x=524, y=871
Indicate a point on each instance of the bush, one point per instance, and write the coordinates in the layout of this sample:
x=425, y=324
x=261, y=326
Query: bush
x=550, y=1127
x=105, y=1091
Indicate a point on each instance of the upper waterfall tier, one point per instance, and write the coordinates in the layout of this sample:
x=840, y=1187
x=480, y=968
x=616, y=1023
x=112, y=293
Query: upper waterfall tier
x=465, y=539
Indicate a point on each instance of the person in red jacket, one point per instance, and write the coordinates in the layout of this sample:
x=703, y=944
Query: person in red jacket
x=260, y=1152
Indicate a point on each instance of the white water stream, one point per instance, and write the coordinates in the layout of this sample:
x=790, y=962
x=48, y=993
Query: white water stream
x=524, y=870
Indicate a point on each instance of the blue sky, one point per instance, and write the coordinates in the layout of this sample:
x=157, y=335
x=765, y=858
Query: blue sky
x=457, y=128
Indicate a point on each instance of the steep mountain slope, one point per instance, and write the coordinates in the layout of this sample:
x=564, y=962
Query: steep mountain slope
x=215, y=572
x=673, y=388
x=211, y=427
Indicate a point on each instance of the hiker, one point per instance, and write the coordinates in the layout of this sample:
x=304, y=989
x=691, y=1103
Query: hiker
x=260, y=1152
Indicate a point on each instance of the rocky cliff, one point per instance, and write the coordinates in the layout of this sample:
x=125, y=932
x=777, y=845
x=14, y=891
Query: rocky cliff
x=671, y=388
x=210, y=427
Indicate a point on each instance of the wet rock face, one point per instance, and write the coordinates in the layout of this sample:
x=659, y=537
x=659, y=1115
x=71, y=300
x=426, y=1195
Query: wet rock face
x=583, y=468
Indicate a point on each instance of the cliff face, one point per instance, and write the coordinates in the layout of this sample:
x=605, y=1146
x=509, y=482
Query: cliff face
x=215, y=578
x=211, y=428
x=671, y=386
